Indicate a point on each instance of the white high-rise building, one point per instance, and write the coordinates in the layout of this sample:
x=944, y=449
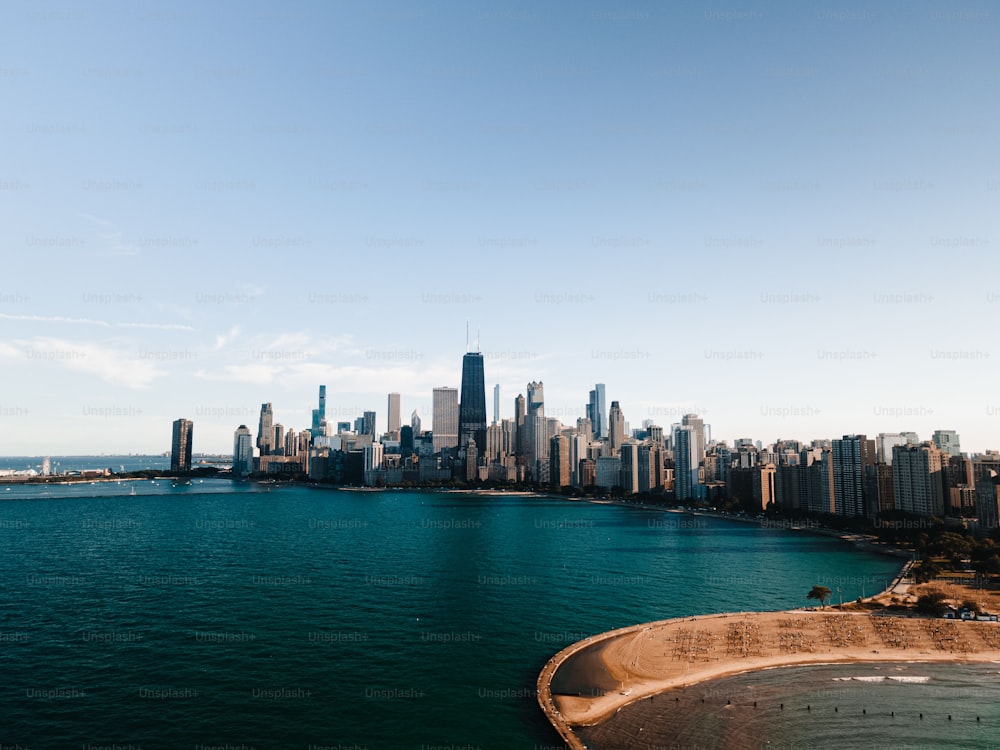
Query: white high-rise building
x=445, y=427
x=393, y=423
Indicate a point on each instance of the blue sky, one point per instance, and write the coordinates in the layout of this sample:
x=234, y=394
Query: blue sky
x=782, y=216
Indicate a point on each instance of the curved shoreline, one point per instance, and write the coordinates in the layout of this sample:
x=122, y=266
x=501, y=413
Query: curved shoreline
x=651, y=658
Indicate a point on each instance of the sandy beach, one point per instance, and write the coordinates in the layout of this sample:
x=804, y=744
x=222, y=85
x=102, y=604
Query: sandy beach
x=651, y=658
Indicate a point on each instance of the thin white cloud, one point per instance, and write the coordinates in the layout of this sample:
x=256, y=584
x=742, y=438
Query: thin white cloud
x=112, y=365
x=156, y=326
x=223, y=339
x=94, y=322
x=112, y=238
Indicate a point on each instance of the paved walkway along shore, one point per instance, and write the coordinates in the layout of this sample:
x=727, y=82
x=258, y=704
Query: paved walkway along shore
x=647, y=659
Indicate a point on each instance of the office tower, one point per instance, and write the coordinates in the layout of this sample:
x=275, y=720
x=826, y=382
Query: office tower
x=559, y=462
x=855, y=487
x=616, y=428
x=368, y=423
x=496, y=404
x=884, y=444
x=242, y=452
x=471, y=467
x=698, y=446
x=319, y=414
x=655, y=434
x=650, y=467
x=406, y=440
x=265, y=430
x=494, y=443
x=415, y=423
x=597, y=412
x=816, y=486
x=609, y=472
x=886, y=494
x=536, y=398
x=588, y=472
x=180, y=447
x=519, y=417
x=629, y=453
x=278, y=440
x=763, y=486
x=947, y=441
x=291, y=443
x=584, y=426
x=472, y=406
x=916, y=479
x=343, y=427
x=373, y=454
x=444, y=404
x=988, y=499
x=683, y=486
x=509, y=437
x=535, y=444
x=393, y=424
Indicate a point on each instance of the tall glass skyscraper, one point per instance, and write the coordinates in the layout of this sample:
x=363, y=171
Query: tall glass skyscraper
x=265, y=430
x=319, y=415
x=242, y=452
x=180, y=447
x=598, y=412
x=472, y=405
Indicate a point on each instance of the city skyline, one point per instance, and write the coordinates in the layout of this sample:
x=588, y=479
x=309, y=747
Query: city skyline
x=736, y=212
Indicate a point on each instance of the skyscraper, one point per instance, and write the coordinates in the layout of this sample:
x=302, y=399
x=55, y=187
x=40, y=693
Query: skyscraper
x=536, y=398
x=698, y=446
x=496, y=404
x=444, y=404
x=947, y=441
x=472, y=407
x=854, y=486
x=598, y=415
x=519, y=417
x=616, y=428
x=319, y=415
x=265, y=429
x=559, y=461
x=916, y=479
x=629, y=453
x=683, y=484
x=535, y=444
x=394, y=419
x=415, y=423
x=368, y=423
x=180, y=447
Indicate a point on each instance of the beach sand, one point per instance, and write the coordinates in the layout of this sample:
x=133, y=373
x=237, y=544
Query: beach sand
x=651, y=658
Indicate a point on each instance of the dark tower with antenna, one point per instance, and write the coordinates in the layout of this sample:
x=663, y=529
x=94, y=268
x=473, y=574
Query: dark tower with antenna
x=472, y=402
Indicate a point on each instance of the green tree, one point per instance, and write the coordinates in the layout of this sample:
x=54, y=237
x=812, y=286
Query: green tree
x=931, y=603
x=926, y=571
x=819, y=592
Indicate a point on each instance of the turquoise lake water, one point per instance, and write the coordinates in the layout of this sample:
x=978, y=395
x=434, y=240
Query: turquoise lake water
x=222, y=613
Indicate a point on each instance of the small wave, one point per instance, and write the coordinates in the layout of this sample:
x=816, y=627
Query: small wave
x=883, y=678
